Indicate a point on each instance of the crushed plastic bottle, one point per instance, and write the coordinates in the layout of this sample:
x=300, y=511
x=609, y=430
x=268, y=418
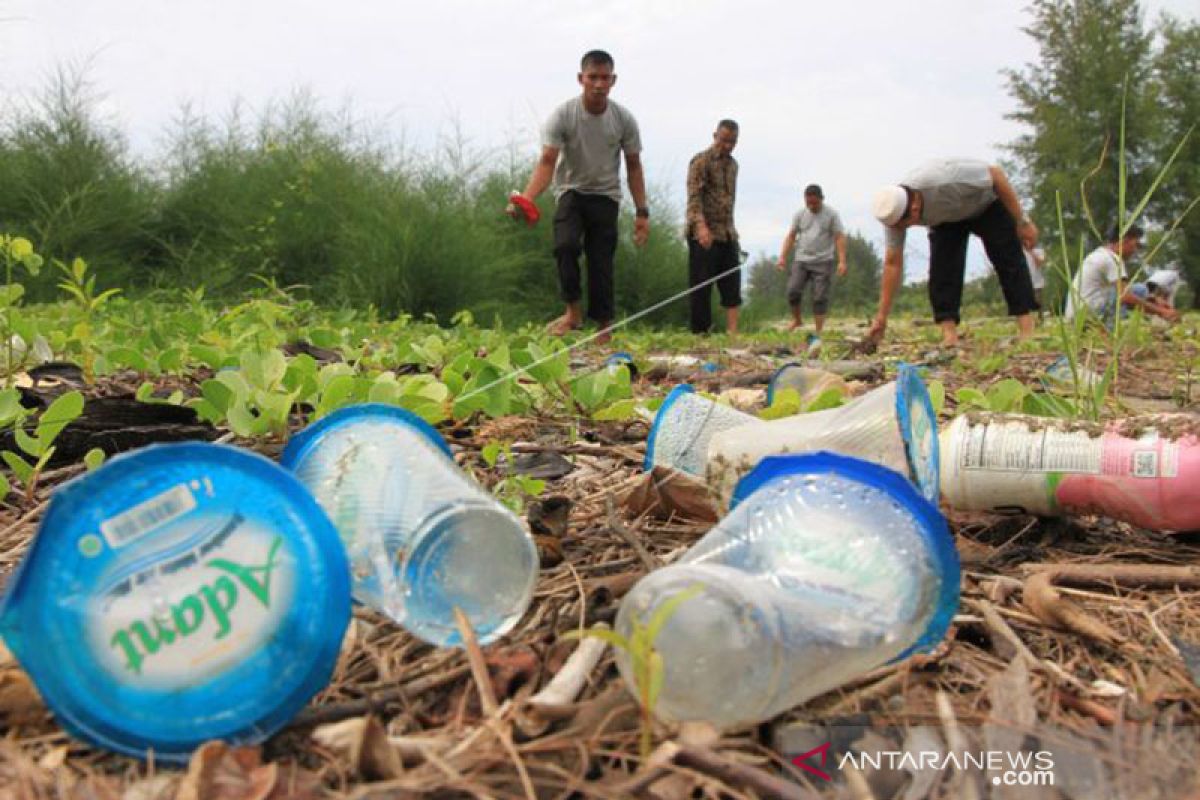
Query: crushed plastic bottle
x=422, y=537
x=1142, y=470
x=826, y=568
x=180, y=593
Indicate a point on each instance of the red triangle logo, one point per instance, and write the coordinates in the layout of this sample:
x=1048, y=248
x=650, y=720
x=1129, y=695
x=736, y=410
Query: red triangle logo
x=801, y=761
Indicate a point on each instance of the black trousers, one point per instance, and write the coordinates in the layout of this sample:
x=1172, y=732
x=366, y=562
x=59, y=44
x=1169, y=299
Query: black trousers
x=586, y=224
x=705, y=264
x=948, y=262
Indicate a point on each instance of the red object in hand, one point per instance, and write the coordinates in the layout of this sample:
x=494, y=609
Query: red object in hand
x=525, y=207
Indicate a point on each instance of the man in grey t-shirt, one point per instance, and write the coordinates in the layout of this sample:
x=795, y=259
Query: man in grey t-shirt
x=582, y=144
x=955, y=198
x=815, y=233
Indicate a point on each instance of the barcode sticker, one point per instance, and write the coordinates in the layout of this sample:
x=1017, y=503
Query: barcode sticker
x=148, y=515
x=1145, y=464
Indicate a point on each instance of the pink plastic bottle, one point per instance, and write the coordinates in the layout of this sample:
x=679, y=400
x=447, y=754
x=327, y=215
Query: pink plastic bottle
x=1145, y=470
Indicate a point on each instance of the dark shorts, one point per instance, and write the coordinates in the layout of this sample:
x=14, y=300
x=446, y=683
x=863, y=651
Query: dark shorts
x=948, y=262
x=815, y=274
x=704, y=265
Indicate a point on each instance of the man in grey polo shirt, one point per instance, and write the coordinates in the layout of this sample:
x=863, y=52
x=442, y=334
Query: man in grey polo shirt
x=582, y=144
x=816, y=232
x=955, y=198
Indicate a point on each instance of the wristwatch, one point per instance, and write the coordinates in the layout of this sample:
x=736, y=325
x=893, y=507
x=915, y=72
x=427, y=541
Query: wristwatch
x=642, y=212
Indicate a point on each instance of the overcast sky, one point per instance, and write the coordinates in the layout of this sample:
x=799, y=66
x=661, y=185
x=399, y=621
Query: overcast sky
x=847, y=94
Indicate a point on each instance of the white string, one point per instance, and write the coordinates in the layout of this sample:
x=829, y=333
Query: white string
x=522, y=370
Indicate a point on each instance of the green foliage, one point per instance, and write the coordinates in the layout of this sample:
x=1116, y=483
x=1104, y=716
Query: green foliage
x=19, y=335
x=1010, y=396
x=513, y=490
x=1071, y=103
x=36, y=449
x=1177, y=74
x=301, y=197
x=69, y=184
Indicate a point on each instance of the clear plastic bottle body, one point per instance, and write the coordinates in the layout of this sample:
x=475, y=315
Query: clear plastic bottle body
x=421, y=536
x=814, y=578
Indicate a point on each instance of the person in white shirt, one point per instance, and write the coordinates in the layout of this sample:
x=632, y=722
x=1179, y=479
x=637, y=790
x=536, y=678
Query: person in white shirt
x=1101, y=280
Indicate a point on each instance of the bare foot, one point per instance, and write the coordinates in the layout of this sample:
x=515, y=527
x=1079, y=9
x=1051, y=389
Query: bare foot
x=563, y=325
x=605, y=334
x=794, y=324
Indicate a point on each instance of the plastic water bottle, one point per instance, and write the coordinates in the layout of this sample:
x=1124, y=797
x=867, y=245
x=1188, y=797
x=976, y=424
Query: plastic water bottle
x=827, y=567
x=421, y=536
x=1142, y=470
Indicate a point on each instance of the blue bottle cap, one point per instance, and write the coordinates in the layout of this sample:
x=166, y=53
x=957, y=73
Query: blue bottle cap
x=676, y=393
x=619, y=357
x=181, y=593
x=303, y=442
x=929, y=521
x=919, y=432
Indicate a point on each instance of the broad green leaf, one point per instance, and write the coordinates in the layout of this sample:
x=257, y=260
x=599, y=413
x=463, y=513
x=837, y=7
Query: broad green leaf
x=5, y=487
x=171, y=360
x=431, y=412
x=145, y=393
x=19, y=247
x=338, y=392
x=591, y=391
x=275, y=407
x=11, y=294
x=127, y=357
x=65, y=409
x=22, y=470
x=28, y=444
x=206, y=410
x=453, y=380
x=219, y=395
x=209, y=356
x=264, y=370
x=1007, y=395
x=969, y=397
x=235, y=382
x=331, y=372
x=500, y=359
x=491, y=453
x=991, y=364
x=11, y=409
x=620, y=411
x=384, y=391
x=246, y=424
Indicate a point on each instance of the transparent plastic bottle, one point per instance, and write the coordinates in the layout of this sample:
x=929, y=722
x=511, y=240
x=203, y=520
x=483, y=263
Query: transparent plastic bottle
x=421, y=536
x=892, y=425
x=827, y=567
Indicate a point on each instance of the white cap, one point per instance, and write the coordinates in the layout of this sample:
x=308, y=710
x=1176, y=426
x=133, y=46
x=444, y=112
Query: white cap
x=1166, y=278
x=889, y=204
